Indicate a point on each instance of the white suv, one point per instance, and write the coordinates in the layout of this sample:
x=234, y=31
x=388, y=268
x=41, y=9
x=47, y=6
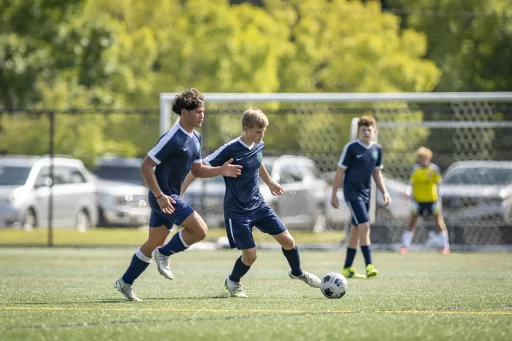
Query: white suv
x=25, y=192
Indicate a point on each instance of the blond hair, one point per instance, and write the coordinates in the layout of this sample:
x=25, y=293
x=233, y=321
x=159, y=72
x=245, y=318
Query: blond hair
x=254, y=117
x=425, y=152
x=367, y=121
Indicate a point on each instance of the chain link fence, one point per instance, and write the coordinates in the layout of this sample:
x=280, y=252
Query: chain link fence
x=303, y=145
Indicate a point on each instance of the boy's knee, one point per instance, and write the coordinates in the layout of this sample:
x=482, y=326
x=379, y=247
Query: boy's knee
x=249, y=258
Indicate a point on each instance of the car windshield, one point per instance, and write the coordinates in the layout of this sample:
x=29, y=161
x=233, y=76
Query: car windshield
x=120, y=174
x=10, y=176
x=479, y=176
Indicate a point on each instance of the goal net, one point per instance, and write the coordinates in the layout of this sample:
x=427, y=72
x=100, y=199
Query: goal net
x=467, y=132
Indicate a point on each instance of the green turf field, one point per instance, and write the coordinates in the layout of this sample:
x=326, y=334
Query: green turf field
x=68, y=294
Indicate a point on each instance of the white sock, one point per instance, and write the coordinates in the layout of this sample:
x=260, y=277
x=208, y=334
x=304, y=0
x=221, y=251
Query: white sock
x=407, y=238
x=446, y=242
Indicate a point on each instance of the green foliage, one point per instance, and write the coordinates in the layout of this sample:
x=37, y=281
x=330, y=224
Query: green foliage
x=123, y=53
x=470, y=40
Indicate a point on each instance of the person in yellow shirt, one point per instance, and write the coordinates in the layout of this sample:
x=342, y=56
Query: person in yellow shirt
x=424, y=185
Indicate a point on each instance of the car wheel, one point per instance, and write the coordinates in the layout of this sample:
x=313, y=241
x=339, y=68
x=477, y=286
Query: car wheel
x=29, y=220
x=83, y=221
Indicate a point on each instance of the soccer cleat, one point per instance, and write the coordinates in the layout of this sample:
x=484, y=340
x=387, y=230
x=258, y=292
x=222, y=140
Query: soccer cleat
x=126, y=290
x=403, y=250
x=445, y=251
x=163, y=264
x=234, y=288
x=307, y=278
x=371, y=271
x=351, y=273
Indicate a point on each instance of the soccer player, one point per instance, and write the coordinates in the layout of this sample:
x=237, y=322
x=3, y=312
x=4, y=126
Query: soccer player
x=424, y=185
x=177, y=152
x=360, y=160
x=244, y=206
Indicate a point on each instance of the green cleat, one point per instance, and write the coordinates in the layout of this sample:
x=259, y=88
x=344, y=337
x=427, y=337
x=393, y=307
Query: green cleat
x=351, y=273
x=371, y=271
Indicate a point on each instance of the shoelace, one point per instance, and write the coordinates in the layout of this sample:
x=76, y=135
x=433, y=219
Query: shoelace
x=238, y=286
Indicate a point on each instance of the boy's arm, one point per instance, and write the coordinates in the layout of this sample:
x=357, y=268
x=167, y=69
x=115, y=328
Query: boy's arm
x=379, y=181
x=188, y=180
x=340, y=173
x=165, y=202
x=275, y=188
x=199, y=170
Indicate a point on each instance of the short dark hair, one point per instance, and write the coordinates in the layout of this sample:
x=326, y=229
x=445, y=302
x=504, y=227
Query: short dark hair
x=189, y=100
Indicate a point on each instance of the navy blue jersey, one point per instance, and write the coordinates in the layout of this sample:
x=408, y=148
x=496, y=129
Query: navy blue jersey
x=359, y=162
x=243, y=194
x=174, y=155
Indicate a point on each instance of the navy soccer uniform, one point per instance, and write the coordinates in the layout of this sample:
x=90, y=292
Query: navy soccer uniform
x=244, y=206
x=174, y=155
x=359, y=161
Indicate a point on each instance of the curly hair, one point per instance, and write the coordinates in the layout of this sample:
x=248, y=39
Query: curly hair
x=189, y=100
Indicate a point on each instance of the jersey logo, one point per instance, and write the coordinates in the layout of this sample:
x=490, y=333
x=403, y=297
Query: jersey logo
x=375, y=154
x=238, y=159
x=259, y=156
x=359, y=156
x=198, y=146
x=185, y=149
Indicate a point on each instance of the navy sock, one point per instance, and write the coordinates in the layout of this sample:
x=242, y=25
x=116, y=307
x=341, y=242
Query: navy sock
x=239, y=270
x=349, y=260
x=175, y=245
x=137, y=266
x=367, y=253
x=293, y=258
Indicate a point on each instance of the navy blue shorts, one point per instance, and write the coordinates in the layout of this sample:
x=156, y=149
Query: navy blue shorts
x=239, y=229
x=425, y=208
x=359, y=210
x=181, y=212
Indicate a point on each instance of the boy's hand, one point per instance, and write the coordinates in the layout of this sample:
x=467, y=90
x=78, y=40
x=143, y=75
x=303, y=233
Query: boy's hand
x=165, y=202
x=232, y=171
x=276, y=189
x=387, y=199
x=334, y=201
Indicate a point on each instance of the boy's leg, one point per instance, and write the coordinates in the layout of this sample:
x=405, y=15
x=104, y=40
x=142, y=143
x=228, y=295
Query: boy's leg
x=409, y=234
x=360, y=214
x=268, y=222
x=239, y=232
x=353, y=241
x=441, y=227
x=140, y=261
x=194, y=230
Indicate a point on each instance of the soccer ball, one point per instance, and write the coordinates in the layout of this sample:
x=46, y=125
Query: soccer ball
x=334, y=285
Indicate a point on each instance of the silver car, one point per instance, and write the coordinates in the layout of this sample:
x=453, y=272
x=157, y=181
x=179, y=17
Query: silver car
x=477, y=191
x=25, y=190
x=302, y=206
x=122, y=195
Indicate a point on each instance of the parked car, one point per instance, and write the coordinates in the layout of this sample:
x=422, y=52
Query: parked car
x=302, y=206
x=122, y=195
x=25, y=190
x=477, y=191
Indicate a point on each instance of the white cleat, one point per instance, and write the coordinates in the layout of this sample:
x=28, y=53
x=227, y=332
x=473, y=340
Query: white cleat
x=234, y=288
x=126, y=290
x=307, y=278
x=163, y=264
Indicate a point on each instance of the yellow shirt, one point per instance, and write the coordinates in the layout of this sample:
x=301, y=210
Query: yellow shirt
x=424, y=182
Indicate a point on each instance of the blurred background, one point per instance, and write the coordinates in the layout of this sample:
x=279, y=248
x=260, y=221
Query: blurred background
x=80, y=85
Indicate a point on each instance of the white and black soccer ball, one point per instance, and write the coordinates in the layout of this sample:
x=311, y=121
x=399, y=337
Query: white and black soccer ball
x=334, y=285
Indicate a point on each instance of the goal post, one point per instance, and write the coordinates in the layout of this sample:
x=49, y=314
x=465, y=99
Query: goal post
x=456, y=126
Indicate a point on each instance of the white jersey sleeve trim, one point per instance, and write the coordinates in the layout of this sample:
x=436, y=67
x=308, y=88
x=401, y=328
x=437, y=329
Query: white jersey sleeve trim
x=343, y=154
x=161, y=144
x=217, y=152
